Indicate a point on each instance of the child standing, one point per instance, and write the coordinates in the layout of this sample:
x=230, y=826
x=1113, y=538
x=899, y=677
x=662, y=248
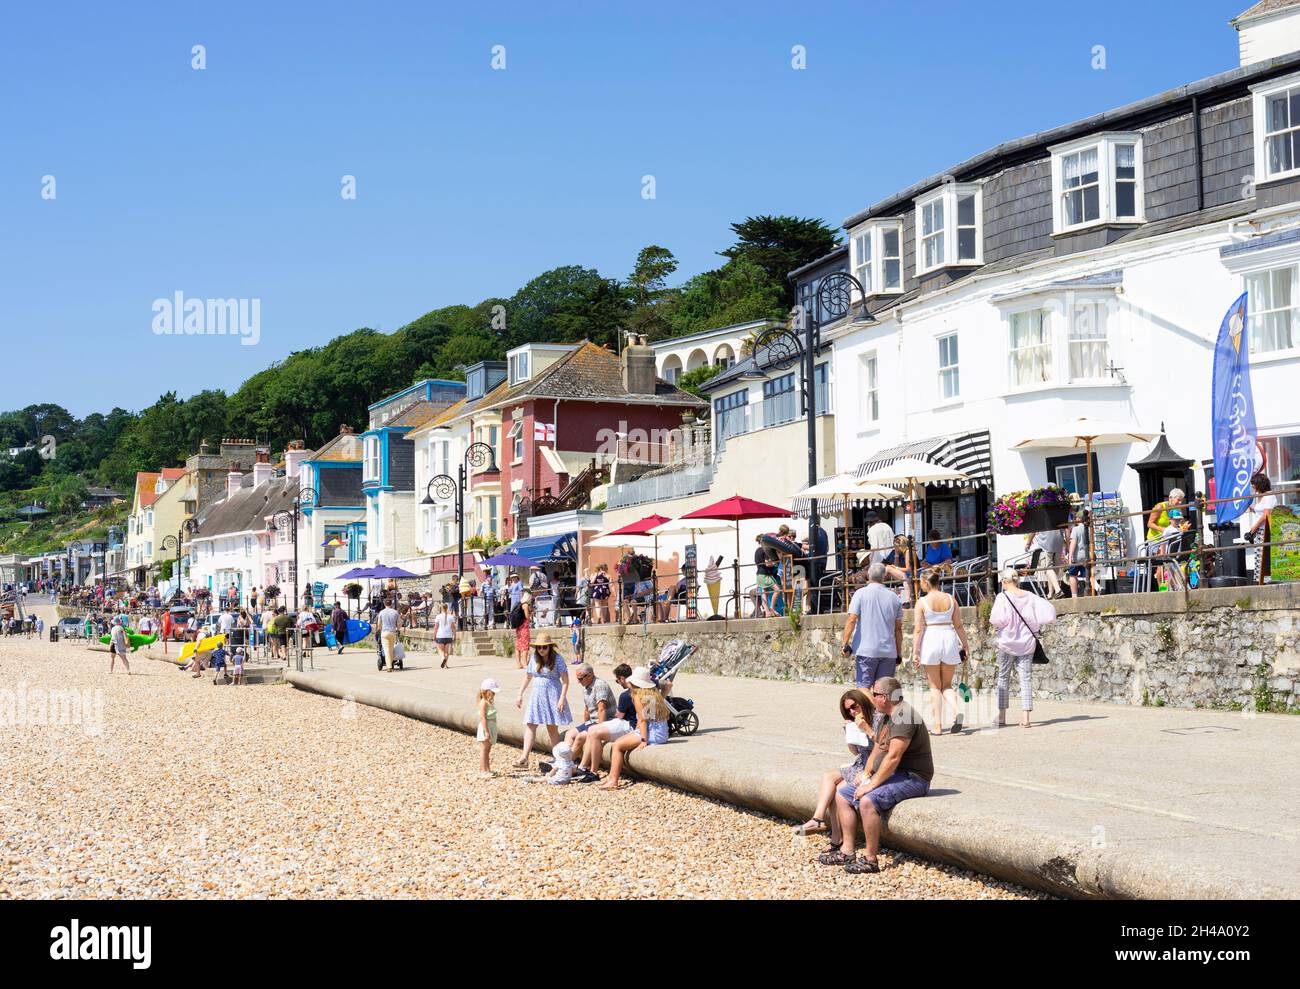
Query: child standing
x=218, y=662
x=239, y=665
x=487, y=725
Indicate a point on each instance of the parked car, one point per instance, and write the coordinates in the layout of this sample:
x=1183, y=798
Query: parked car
x=72, y=628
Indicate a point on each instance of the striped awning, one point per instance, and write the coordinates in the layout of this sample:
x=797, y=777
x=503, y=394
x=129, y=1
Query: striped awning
x=970, y=453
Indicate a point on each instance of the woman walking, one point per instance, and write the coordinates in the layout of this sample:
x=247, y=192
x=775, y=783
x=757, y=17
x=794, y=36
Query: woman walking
x=938, y=644
x=1017, y=615
x=548, y=703
x=444, y=634
x=651, y=724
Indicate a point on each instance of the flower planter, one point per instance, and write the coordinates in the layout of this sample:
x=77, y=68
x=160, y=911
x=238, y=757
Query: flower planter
x=1041, y=518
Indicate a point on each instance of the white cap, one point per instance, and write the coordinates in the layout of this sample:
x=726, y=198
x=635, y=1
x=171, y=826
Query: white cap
x=490, y=684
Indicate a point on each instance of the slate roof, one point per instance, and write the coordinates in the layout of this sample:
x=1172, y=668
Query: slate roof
x=419, y=414
x=344, y=448
x=247, y=508
x=593, y=374
x=1263, y=7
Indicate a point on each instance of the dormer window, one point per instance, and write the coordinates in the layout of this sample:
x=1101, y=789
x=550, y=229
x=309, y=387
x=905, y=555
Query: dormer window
x=1277, y=128
x=878, y=256
x=518, y=367
x=949, y=227
x=1097, y=180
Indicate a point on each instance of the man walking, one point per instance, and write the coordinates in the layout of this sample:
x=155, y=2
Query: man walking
x=876, y=615
x=903, y=768
x=339, y=623
x=117, y=646
x=388, y=622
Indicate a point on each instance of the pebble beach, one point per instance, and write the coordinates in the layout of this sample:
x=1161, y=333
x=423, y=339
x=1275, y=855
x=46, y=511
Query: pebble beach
x=171, y=787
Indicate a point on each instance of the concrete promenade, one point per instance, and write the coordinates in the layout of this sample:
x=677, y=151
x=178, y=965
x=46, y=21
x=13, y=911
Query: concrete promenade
x=1094, y=801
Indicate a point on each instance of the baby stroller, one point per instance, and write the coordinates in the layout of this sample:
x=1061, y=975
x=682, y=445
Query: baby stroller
x=682, y=719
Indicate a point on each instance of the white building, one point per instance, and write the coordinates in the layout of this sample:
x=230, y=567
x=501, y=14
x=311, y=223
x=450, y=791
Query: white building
x=720, y=347
x=1082, y=271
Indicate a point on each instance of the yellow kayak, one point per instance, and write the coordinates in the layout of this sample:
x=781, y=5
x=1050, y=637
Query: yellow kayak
x=204, y=645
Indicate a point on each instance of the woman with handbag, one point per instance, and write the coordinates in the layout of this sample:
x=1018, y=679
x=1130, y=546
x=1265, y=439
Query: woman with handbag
x=1018, y=615
x=938, y=645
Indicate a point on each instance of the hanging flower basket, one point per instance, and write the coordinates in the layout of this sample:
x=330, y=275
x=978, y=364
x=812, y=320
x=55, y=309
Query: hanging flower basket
x=1030, y=511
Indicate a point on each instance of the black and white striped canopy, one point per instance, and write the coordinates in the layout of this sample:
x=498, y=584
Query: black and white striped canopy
x=969, y=453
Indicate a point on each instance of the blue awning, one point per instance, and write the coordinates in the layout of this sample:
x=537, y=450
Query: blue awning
x=539, y=549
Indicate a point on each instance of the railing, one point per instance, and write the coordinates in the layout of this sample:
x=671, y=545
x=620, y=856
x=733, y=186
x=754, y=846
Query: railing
x=729, y=423
x=689, y=480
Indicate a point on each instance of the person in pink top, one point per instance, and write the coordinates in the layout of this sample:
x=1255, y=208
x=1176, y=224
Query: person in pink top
x=1017, y=615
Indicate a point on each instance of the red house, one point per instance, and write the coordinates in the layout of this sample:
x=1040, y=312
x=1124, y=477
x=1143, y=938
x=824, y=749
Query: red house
x=564, y=412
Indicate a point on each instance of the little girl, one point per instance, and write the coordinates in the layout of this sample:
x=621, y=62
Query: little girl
x=239, y=665
x=487, y=725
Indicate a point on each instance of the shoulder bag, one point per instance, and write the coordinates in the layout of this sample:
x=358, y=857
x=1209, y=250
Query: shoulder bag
x=1040, y=655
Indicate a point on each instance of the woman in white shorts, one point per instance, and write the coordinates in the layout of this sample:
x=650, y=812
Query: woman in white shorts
x=939, y=644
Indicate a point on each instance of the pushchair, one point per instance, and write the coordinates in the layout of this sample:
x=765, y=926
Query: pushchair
x=682, y=719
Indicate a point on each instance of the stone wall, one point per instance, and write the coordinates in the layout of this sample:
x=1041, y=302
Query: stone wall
x=1211, y=648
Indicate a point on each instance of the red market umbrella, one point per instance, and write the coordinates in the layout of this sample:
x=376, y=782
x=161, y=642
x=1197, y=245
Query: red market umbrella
x=738, y=509
x=641, y=527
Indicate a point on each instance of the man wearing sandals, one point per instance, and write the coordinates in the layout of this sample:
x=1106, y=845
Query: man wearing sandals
x=903, y=769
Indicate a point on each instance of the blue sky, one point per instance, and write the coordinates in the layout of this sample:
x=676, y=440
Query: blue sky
x=225, y=182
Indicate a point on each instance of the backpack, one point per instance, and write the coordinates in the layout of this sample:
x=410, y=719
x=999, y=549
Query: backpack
x=517, y=617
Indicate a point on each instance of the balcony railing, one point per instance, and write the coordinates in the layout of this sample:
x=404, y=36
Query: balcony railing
x=680, y=483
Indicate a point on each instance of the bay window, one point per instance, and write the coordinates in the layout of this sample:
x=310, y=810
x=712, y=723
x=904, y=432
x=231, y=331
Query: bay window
x=1031, y=348
x=1270, y=307
x=371, y=472
x=949, y=227
x=878, y=257
x=1089, y=353
x=1277, y=127
x=1097, y=180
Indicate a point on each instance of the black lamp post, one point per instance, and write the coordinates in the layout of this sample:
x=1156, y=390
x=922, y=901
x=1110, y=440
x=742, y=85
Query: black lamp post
x=778, y=347
x=448, y=487
x=305, y=498
x=188, y=527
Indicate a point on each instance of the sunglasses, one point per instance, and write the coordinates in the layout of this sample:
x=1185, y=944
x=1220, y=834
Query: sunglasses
x=883, y=696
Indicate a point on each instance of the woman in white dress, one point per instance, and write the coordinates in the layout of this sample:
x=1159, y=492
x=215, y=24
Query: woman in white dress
x=938, y=645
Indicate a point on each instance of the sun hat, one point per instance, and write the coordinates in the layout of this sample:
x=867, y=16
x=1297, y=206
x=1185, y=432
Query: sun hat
x=641, y=678
x=490, y=684
x=543, y=637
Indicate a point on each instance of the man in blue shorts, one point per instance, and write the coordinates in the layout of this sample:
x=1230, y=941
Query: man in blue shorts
x=903, y=768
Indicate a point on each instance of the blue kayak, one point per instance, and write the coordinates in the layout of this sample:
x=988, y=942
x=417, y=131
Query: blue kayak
x=357, y=630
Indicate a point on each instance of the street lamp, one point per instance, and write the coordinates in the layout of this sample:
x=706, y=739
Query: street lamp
x=305, y=498
x=778, y=347
x=188, y=527
x=447, y=487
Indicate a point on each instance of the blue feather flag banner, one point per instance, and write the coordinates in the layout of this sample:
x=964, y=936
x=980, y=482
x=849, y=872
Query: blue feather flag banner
x=1233, y=415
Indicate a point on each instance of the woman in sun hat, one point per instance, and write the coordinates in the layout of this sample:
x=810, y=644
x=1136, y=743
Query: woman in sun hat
x=548, y=703
x=651, y=723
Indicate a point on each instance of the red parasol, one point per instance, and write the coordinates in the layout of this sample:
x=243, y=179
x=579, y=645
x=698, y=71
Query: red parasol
x=641, y=527
x=737, y=509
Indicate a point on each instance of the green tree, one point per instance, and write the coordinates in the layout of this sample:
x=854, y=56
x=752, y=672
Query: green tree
x=737, y=292
x=691, y=380
x=647, y=286
x=779, y=245
x=566, y=304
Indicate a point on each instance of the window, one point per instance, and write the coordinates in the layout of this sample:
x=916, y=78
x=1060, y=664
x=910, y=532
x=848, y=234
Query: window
x=494, y=505
x=1097, y=180
x=1283, y=457
x=1089, y=355
x=372, y=458
x=148, y=519
x=862, y=261
x=869, y=388
x=779, y=400
x=730, y=416
x=1031, y=348
x=1271, y=308
x=948, y=227
x=1277, y=127
x=949, y=380
x=822, y=384
x=878, y=257
x=148, y=549
x=518, y=368
x=1071, y=472
x=248, y=545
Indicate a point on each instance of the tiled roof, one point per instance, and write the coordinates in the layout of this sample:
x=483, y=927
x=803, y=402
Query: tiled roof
x=418, y=414
x=247, y=508
x=593, y=374
x=343, y=448
x=144, y=485
x=1264, y=7
x=173, y=473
